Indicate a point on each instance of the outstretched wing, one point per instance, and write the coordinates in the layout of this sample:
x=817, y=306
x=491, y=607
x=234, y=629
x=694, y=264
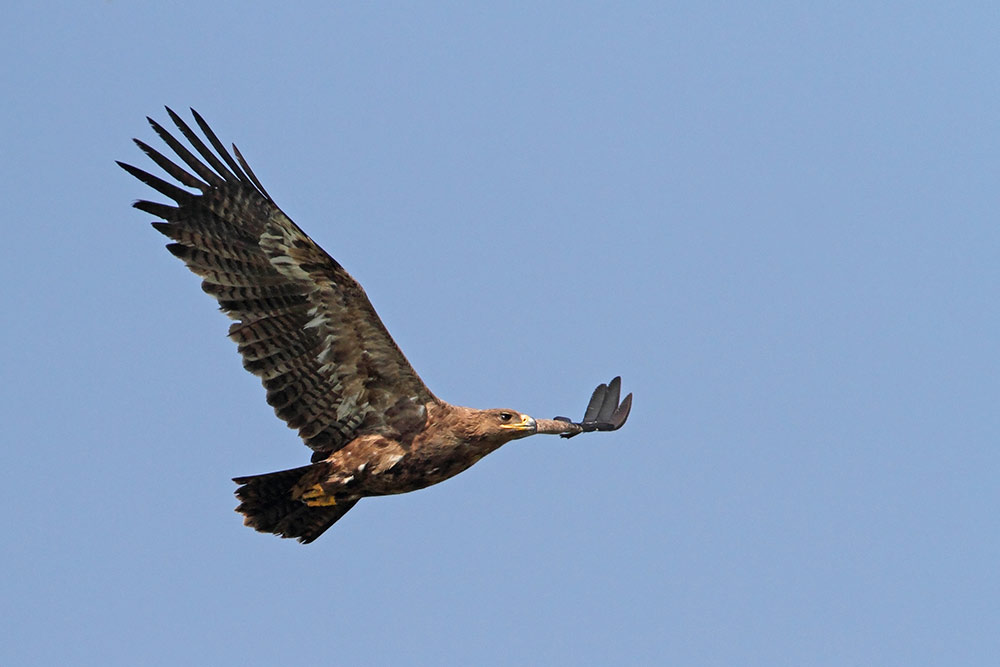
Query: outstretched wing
x=304, y=325
x=604, y=413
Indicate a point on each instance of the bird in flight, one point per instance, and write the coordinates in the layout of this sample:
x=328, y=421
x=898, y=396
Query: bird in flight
x=330, y=368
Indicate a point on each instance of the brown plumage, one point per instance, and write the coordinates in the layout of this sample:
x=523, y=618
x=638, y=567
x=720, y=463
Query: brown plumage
x=330, y=368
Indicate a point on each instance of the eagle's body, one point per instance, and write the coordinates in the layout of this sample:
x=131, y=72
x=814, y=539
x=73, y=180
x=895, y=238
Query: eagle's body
x=330, y=368
x=454, y=439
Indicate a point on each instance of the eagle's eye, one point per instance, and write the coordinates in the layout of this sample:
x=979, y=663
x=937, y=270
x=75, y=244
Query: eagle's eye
x=506, y=416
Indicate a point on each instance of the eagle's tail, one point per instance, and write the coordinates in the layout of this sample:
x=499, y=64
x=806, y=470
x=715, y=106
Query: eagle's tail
x=267, y=504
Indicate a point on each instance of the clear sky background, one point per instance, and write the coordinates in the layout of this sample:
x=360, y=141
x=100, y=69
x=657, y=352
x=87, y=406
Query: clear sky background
x=777, y=223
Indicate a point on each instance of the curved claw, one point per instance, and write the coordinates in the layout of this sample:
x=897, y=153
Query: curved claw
x=604, y=412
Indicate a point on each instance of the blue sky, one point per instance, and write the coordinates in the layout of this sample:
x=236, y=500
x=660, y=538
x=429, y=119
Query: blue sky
x=778, y=223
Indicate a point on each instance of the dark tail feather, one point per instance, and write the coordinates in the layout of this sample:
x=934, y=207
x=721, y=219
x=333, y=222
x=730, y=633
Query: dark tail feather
x=267, y=505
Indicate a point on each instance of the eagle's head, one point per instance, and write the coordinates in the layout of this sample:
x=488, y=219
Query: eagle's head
x=511, y=424
x=497, y=426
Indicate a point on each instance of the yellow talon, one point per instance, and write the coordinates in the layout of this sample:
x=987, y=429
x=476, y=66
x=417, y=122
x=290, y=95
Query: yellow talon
x=315, y=496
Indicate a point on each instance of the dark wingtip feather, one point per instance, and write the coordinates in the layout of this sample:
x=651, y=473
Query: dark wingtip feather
x=252, y=176
x=162, y=227
x=178, y=250
x=217, y=145
x=610, y=402
x=596, y=400
x=621, y=414
x=211, y=158
x=164, y=188
x=207, y=175
x=162, y=211
x=173, y=114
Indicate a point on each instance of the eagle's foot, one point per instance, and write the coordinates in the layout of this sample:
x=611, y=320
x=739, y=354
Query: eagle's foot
x=316, y=496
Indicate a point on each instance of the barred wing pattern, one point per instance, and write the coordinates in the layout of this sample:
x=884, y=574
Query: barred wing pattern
x=304, y=325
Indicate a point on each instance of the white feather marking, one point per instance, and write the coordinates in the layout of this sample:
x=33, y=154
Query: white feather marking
x=347, y=407
x=289, y=268
x=315, y=322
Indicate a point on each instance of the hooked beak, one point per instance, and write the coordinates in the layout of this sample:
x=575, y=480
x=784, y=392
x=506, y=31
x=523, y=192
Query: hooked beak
x=527, y=425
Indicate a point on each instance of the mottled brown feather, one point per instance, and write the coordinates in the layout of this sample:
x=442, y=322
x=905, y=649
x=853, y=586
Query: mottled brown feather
x=304, y=325
x=268, y=505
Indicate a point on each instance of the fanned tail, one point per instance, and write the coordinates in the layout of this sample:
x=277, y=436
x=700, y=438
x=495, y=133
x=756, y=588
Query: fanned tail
x=267, y=504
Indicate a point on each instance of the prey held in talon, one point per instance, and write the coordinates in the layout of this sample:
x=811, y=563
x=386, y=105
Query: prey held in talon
x=330, y=369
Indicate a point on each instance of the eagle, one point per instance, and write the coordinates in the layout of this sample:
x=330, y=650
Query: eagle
x=330, y=368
